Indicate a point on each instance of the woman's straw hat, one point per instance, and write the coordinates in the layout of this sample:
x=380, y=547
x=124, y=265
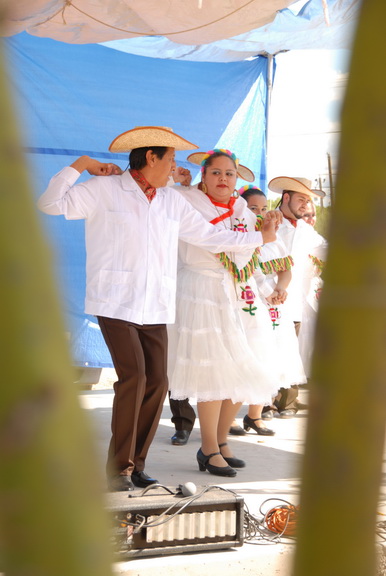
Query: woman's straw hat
x=242, y=171
x=144, y=136
x=292, y=184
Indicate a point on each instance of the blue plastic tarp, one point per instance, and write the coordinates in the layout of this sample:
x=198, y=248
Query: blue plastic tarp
x=74, y=99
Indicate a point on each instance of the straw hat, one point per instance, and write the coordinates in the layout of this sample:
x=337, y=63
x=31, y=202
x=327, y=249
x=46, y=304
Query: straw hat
x=242, y=171
x=143, y=136
x=292, y=184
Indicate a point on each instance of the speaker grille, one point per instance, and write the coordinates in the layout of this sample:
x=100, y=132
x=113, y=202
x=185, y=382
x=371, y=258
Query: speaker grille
x=190, y=526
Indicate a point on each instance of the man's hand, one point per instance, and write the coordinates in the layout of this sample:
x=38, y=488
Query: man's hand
x=96, y=168
x=182, y=176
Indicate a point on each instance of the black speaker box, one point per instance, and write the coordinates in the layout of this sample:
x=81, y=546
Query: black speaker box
x=157, y=523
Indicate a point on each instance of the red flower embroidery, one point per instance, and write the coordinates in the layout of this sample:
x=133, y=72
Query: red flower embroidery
x=318, y=293
x=249, y=296
x=275, y=316
x=240, y=225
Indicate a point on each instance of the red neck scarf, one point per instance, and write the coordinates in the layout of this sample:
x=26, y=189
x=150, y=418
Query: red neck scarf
x=149, y=190
x=227, y=214
x=293, y=222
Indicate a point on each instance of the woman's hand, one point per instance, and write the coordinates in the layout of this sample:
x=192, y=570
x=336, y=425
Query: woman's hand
x=271, y=299
x=281, y=295
x=268, y=230
x=275, y=216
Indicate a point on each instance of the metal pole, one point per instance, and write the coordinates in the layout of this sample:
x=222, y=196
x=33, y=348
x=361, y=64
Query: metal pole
x=270, y=59
x=321, y=188
x=332, y=191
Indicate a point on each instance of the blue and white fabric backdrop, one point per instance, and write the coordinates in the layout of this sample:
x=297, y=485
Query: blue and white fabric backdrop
x=74, y=99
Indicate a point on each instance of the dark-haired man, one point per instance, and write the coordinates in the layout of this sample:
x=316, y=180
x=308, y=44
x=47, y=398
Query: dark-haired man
x=301, y=241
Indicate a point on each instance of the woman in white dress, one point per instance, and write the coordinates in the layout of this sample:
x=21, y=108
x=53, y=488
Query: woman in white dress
x=218, y=345
x=273, y=278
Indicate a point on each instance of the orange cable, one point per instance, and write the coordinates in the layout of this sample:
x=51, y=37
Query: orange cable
x=282, y=519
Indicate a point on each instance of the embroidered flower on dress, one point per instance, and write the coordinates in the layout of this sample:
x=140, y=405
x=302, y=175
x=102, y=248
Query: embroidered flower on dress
x=249, y=296
x=240, y=225
x=318, y=292
x=275, y=316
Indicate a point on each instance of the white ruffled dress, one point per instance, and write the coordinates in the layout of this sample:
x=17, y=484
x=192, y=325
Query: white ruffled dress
x=222, y=343
x=287, y=352
x=312, y=288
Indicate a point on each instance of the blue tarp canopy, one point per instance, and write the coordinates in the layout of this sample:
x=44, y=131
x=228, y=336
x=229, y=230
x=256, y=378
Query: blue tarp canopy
x=74, y=99
x=73, y=95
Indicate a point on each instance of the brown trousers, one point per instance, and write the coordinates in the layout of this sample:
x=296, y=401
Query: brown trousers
x=183, y=414
x=139, y=355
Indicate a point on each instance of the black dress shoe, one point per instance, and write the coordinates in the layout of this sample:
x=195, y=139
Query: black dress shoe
x=180, y=438
x=268, y=415
x=142, y=480
x=232, y=460
x=237, y=431
x=287, y=413
x=261, y=430
x=203, y=464
x=120, y=483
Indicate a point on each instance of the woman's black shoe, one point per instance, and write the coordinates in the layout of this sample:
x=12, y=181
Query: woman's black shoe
x=237, y=431
x=203, y=464
x=250, y=423
x=234, y=462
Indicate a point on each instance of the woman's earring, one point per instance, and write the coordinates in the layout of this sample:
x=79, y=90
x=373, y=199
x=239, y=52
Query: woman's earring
x=204, y=188
x=235, y=193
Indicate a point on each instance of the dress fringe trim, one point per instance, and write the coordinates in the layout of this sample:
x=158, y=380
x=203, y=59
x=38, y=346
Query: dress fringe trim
x=277, y=265
x=319, y=264
x=249, y=269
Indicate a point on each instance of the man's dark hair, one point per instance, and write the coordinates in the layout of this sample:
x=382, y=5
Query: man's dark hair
x=137, y=157
x=290, y=192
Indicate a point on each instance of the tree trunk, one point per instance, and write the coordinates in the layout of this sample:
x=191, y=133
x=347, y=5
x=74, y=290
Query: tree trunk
x=51, y=512
x=346, y=427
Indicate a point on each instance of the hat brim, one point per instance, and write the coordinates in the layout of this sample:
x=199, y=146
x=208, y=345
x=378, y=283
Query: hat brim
x=145, y=136
x=282, y=183
x=242, y=171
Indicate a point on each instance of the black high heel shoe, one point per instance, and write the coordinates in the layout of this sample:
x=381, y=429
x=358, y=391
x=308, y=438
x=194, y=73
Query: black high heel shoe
x=203, y=464
x=237, y=431
x=234, y=462
x=250, y=423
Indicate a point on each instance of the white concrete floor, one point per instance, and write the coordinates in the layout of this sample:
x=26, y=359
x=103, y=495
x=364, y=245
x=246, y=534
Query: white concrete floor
x=272, y=472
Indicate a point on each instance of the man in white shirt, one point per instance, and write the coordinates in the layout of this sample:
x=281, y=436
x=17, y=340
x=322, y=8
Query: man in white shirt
x=133, y=222
x=301, y=241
